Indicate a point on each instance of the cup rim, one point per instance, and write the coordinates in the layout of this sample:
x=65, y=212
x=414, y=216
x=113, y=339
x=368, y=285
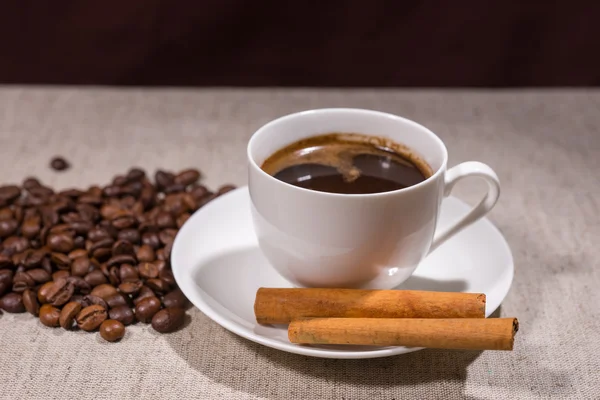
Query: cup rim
x=283, y=118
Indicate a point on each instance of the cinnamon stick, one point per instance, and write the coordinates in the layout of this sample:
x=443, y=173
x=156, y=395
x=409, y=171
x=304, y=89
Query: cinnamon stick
x=460, y=333
x=281, y=306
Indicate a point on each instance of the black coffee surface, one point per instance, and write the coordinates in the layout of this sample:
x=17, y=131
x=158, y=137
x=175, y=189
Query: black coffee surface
x=342, y=163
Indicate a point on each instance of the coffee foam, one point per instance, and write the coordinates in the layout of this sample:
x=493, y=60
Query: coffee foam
x=337, y=150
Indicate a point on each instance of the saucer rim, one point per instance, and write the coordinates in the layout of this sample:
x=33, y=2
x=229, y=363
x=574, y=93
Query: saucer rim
x=199, y=302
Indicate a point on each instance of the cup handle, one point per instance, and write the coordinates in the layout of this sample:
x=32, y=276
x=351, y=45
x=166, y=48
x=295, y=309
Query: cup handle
x=455, y=174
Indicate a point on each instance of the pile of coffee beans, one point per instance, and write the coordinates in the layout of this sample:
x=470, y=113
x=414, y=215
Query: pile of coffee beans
x=97, y=259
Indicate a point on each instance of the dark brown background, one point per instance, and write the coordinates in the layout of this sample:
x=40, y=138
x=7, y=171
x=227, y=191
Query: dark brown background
x=301, y=43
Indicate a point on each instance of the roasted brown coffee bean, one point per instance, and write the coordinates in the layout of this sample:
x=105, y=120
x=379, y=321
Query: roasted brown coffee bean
x=63, y=228
x=145, y=254
x=148, y=270
x=62, y=261
x=81, y=286
x=39, y=275
x=60, y=292
x=160, y=265
x=163, y=179
x=68, y=314
x=104, y=291
x=166, y=275
x=130, y=235
x=77, y=253
x=112, y=330
x=60, y=242
x=30, y=302
x=31, y=227
x=176, y=299
x=158, y=286
x=91, y=317
x=122, y=247
x=168, y=320
x=78, y=298
x=90, y=299
x=128, y=272
x=105, y=243
x=49, y=315
x=123, y=314
x=80, y=266
x=161, y=255
x=131, y=287
x=97, y=234
x=144, y=292
x=33, y=258
x=8, y=227
x=95, y=278
x=30, y=183
x=9, y=193
x=16, y=244
x=206, y=199
x=22, y=281
x=6, y=280
x=224, y=189
x=59, y=164
x=102, y=254
x=72, y=193
x=175, y=188
x=187, y=177
x=199, y=192
x=113, y=276
x=42, y=293
x=182, y=219
x=145, y=309
x=12, y=302
x=60, y=274
x=165, y=220
x=124, y=222
x=81, y=227
x=121, y=259
x=151, y=239
x=116, y=300
x=6, y=213
x=167, y=236
x=135, y=174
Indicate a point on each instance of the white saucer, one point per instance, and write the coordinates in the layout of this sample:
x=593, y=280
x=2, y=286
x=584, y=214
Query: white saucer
x=218, y=265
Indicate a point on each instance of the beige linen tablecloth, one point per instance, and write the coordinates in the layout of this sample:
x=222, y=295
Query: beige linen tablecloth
x=545, y=146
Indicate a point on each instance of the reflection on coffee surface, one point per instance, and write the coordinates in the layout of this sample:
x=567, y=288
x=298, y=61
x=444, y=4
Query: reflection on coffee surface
x=347, y=163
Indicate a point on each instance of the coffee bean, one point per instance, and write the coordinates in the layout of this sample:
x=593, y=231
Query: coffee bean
x=105, y=243
x=165, y=220
x=30, y=183
x=95, y=278
x=39, y=275
x=130, y=235
x=104, y=291
x=80, y=284
x=123, y=314
x=102, y=254
x=166, y=275
x=135, y=174
x=168, y=320
x=112, y=330
x=116, y=300
x=90, y=299
x=167, y=236
x=122, y=247
x=81, y=227
x=160, y=265
x=43, y=292
x=8, y=227
x=5, y=260
x=49, y=316
x=22, y=281
x=182, y=219
x=224, y=189
x=33, y=258
x=113, y=276
x=91, y=317
x=30, y=302
x=158, y=286
x=12, y=302
x=6, y=213
x=144, y=292
x=187, y=177
x=9, y=193
x=77, y=253
x=80, y=266
x=145, y=254
x=6, y=280
x=206, y=199
x=16, y=244
x=148, y=270
x=163, y=179
x=60, y=274
x=60, y=260
x=68, y=314
x=59, y=164
x=127, y=272
x=131, y=287
x=124, y=222
x=176, y=299
x=121, y=259
x=31, y=227
x=60, y=292
x=60, y=242
x=151, y=239
x=145, y=309
x=161, y=255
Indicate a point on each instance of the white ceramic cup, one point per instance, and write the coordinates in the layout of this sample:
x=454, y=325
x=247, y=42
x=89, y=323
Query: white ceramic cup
x=319, y=239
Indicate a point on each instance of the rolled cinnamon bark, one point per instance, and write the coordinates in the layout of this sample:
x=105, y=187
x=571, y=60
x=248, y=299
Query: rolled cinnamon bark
x=281, y=306
x=460, y=333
